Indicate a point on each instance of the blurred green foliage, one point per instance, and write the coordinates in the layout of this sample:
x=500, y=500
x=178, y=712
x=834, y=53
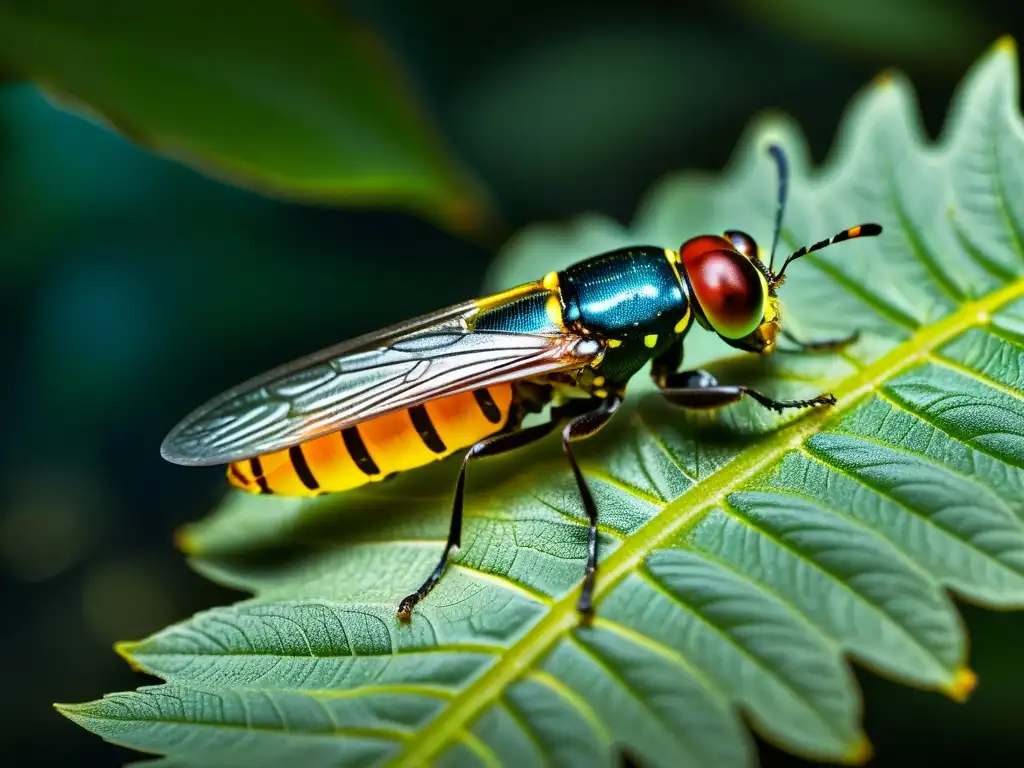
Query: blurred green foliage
x=132, y=287
x=932, y=34
x=291, y=99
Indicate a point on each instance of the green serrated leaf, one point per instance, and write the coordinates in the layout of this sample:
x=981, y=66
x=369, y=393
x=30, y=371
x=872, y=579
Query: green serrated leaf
x=744, y=557
x=290, y=100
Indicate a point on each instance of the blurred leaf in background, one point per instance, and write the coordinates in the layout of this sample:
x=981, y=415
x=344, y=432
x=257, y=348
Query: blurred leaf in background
x=550, y=121
x=932, y=34
x=575, y=105
x=113, y=238
x=291, y=99
x=129, y=283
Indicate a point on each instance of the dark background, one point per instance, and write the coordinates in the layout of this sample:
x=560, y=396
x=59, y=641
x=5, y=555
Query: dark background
x=132, y=288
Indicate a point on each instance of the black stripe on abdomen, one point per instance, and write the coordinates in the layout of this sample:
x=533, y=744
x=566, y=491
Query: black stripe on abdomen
x=425, y=428
x=357, y=450
x=488, y=407
x=257, y=473
x=237, y=474
x=301, y=467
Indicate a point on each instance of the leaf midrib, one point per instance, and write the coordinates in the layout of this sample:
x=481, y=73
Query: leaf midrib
x=687, y=510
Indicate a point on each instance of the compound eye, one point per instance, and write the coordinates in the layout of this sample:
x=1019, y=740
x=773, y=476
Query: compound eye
x=701, y=244
x=742, y=242
x=730, y=291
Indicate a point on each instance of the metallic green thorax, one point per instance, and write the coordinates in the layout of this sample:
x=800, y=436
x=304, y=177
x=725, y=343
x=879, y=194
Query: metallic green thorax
x=633, y=296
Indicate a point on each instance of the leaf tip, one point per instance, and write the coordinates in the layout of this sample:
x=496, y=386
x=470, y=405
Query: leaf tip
x=184, y=541
x=470, y=215
x=1006, y=44
x=861, y=752
x=72, y=712
x=124, y=649
x=962, y=685
x=885, y=79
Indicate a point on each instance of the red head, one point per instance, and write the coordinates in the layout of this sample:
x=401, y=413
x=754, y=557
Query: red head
x=733, y=290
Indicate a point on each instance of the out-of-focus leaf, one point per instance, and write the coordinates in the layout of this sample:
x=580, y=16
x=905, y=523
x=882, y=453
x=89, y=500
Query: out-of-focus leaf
x=104, y=239
x=65, y=182
x=551, y=121
x=937, y=34
x=744, y=555
x=286, y=98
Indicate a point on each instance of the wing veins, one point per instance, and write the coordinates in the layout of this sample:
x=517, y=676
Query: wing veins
x=276, y=411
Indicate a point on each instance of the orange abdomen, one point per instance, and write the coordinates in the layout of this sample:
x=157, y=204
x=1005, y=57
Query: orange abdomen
x=377, y=448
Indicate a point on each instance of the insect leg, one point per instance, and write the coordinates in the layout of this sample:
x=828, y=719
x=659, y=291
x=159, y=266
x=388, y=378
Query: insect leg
x=667, y=363
x=667, y=376
x=693, y=389
x=578, y=428
x=699, y=389
x=826, y=345
x=490, y=446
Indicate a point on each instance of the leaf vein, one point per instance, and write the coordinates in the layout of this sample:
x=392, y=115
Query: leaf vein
x=881, y=610
x=927, y=519
x=669, y=654
x=573, y=699
x=893, y=400
x=918, y=250
x=974, y=375
x=480, y=749
x=623, y=683
x=745, y=652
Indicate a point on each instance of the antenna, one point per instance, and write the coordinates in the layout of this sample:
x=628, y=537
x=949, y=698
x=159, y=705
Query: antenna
x=861, y=230
x=783, y=171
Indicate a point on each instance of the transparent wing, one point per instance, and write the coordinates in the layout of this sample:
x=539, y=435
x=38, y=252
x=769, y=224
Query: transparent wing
x=379, y=373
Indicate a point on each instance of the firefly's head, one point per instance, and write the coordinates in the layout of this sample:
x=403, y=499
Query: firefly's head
x=734, y=292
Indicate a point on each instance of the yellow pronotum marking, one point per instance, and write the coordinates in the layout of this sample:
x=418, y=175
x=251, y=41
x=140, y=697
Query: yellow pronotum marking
x=672, y=256
x=550, y=281
x=686, y=510
x=613, y=343
x=598, y=381
x=651, y=340
x=683, y=321
x=554, y=310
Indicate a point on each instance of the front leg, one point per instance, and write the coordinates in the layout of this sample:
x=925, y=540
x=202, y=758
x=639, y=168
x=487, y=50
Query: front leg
x=710, y=394
x=666, y=374
x=667, y=363
x=698, y=389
